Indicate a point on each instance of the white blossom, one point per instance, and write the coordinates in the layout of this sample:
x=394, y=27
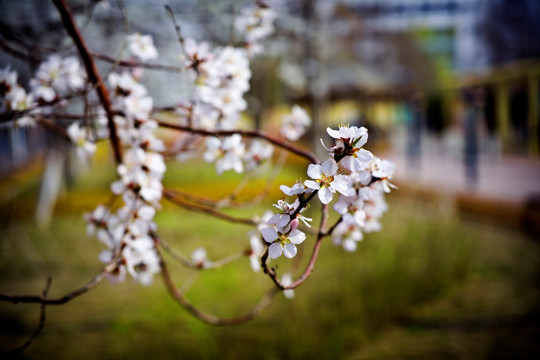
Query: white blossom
x=286, y=280
x=282, y=242
x=326, y=180
x=142, y=46
x=294, y=125
x=79, y=136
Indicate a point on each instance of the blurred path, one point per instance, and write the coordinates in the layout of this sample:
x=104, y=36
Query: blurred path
x=506, y=178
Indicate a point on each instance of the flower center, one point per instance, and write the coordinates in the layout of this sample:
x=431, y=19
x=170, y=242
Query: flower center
x=325, y=180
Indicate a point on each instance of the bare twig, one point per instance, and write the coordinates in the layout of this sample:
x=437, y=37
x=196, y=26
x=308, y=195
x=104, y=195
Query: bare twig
x=16, y=299
x=40, y=324
x=172, y=197
x=176, y=28
x=133, y=64
x=54, y=128
x=208, y=318
x=245, y=133
x=202, y=266
x=93, y=74
x=315, y=253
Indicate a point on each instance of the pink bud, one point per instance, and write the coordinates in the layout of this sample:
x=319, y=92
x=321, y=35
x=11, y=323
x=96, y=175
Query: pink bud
x=294, y=224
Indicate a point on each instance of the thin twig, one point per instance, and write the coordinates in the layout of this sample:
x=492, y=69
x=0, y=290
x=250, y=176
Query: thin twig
x=315, y=253
x=135, y=64
x=93, y=74
x=176, y=28
x=208, y=318
x=245, y=133
x=15, y=299
x=173, y=198
x=54, y=128
x=200, y=266
x=41, y=321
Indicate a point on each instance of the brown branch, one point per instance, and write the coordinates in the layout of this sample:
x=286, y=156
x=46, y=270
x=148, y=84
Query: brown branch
x=208, y=318
x=40, y=324
x=17, y=53
x=93, y=74
x=315, y=253
x=229, y=201
x=333, y=227
x=245, y=133
x=132, y=64
x=176, y=28
x=15, y=299
x=54, y=128
x=201, y=266
x=311, y=264
x=173, y=198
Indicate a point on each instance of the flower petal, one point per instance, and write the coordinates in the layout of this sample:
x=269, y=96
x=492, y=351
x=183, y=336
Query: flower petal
x=351, y=163
x=275, y=250
x=312, y=184
x=269, y=234
x=364, y=155
x=325, y=195
x=329, y=167
x=289, y=250
x=314, y=171
x=333, y=133
x=297, y=237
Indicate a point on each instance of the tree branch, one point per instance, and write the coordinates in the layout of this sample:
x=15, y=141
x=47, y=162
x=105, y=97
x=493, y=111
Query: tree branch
x=40, y=324
x=93, y=74
x=15, y=299
x=208, y=318
x=133, y=64
x=202, y=266
x=172, y=197
x=245, y=133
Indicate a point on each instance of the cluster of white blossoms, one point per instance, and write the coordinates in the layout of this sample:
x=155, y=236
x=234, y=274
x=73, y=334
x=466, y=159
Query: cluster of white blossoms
x=14, y=98
x=56, y=76
x=351, y=177
x=142, y=46
x=294, y=125
x=128, y=232
x=355, y=175
x=221, y=79
x=256, y=23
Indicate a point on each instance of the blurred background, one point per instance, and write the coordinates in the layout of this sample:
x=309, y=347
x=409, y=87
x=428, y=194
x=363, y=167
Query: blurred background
x=449, y=91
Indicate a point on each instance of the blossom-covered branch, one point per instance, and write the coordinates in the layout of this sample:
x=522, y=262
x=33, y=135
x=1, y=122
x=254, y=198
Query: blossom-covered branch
x=93, y=73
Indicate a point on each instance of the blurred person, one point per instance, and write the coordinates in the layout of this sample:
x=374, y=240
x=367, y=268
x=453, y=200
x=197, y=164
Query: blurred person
x=473, y=99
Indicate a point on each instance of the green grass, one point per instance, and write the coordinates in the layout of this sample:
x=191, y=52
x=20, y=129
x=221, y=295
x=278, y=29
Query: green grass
x=425, y=267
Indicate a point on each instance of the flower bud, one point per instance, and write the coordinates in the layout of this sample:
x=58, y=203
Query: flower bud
x=294, y=224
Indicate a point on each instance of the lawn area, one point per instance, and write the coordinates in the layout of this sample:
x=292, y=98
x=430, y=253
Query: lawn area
x=428, y=286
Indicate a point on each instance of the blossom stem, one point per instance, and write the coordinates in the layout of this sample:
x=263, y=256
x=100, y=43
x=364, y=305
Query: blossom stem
x=315, y=253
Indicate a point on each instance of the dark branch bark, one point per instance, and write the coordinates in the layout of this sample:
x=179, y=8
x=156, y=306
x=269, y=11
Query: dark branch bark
x=16, y=299
x=40, y=324
x=93, y=74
